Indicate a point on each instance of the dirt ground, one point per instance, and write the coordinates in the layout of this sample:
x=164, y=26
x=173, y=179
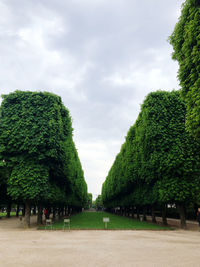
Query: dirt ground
x=191, y=225
x=33, y=248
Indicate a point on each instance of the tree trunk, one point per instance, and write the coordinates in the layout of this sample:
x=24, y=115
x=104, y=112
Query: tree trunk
x=153, y=214
x=39, y=216
x=62, y=211
x=164, y=215
x=144, y=213
x=138, y=213
x=54, y=213
x=181, y=209
x=67, y=209
x=23, y=210
x=27, y=214
x=125, y=212
x=48, y=213
x=59, y=213
x=17, y=212
x=8, y=210
x=133, y=212
x=34, y=210
x=121, y=211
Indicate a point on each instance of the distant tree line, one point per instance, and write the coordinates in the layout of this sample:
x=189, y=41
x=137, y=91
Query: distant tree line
x=39, y=163
x=159, y=163
x=88, y=204
x=98, y=203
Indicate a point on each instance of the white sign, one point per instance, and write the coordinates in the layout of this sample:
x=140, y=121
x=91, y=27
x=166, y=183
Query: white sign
x=106, y=219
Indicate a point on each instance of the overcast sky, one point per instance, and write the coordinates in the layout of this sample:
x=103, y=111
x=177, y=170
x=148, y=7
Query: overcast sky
x=102, y=57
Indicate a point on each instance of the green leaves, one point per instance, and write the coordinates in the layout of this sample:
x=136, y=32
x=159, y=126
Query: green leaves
x=28, y=181
x=159, y=162
x=185, y=40
x=36, y=143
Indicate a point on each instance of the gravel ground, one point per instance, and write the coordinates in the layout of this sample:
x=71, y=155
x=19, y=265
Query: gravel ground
x=19, y=247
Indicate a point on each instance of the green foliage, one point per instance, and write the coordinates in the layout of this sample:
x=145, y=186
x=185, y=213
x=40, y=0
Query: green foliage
x=159, y=162
x=171, y=156
x=185, y=40
x=98, y=203
x=36, y=144
x=29, y=180
x=88, y=205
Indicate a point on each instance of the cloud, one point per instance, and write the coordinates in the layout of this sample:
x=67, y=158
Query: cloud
x=102, y=58
x=96, y=158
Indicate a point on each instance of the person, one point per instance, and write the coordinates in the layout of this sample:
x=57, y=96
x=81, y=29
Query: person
x=45, y=213
x=198, y=217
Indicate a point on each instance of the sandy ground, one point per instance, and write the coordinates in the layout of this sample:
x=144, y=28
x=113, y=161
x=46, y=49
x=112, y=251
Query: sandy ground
x=191, y=225
x=19, y=247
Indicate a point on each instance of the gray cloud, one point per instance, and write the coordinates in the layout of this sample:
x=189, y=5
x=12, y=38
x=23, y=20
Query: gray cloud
x=102, y=57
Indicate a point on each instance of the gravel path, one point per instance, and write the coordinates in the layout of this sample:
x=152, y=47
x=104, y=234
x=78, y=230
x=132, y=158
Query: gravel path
x=34, y=248
x=191, y=225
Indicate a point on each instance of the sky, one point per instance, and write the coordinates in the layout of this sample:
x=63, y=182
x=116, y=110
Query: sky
x=102, y=57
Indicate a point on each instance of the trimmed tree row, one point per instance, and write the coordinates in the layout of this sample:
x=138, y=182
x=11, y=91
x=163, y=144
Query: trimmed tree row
x=159, y=163
x=38, y=153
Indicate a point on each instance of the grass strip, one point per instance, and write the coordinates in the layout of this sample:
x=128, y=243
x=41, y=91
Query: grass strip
x=94, y=220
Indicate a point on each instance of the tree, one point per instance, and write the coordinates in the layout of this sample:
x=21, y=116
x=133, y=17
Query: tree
x=98, y=203
x=89, y=201
x=171, y=158
x=37, y=145
x=185, y=40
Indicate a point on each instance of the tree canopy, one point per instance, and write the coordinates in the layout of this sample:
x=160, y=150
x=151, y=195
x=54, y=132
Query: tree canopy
x=159, y=163
x=37, y=147
x=185, y=40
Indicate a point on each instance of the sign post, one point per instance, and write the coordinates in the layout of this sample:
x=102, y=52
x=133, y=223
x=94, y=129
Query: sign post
x=106, y=220
x=65, y=223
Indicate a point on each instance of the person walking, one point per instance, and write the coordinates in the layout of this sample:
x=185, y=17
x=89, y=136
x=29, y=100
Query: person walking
x=198, y=217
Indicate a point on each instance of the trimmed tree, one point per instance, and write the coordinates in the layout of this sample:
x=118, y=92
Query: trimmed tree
x=159, y=163
x=185, y=40
x=37, y=145
x=171, y=158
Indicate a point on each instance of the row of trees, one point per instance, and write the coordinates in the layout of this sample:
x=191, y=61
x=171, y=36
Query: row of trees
x=39, y=164
x=159, y=163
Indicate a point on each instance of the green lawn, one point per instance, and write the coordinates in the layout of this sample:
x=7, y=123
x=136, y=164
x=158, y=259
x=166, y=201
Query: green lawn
x=94, y=220
x=3, y=214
